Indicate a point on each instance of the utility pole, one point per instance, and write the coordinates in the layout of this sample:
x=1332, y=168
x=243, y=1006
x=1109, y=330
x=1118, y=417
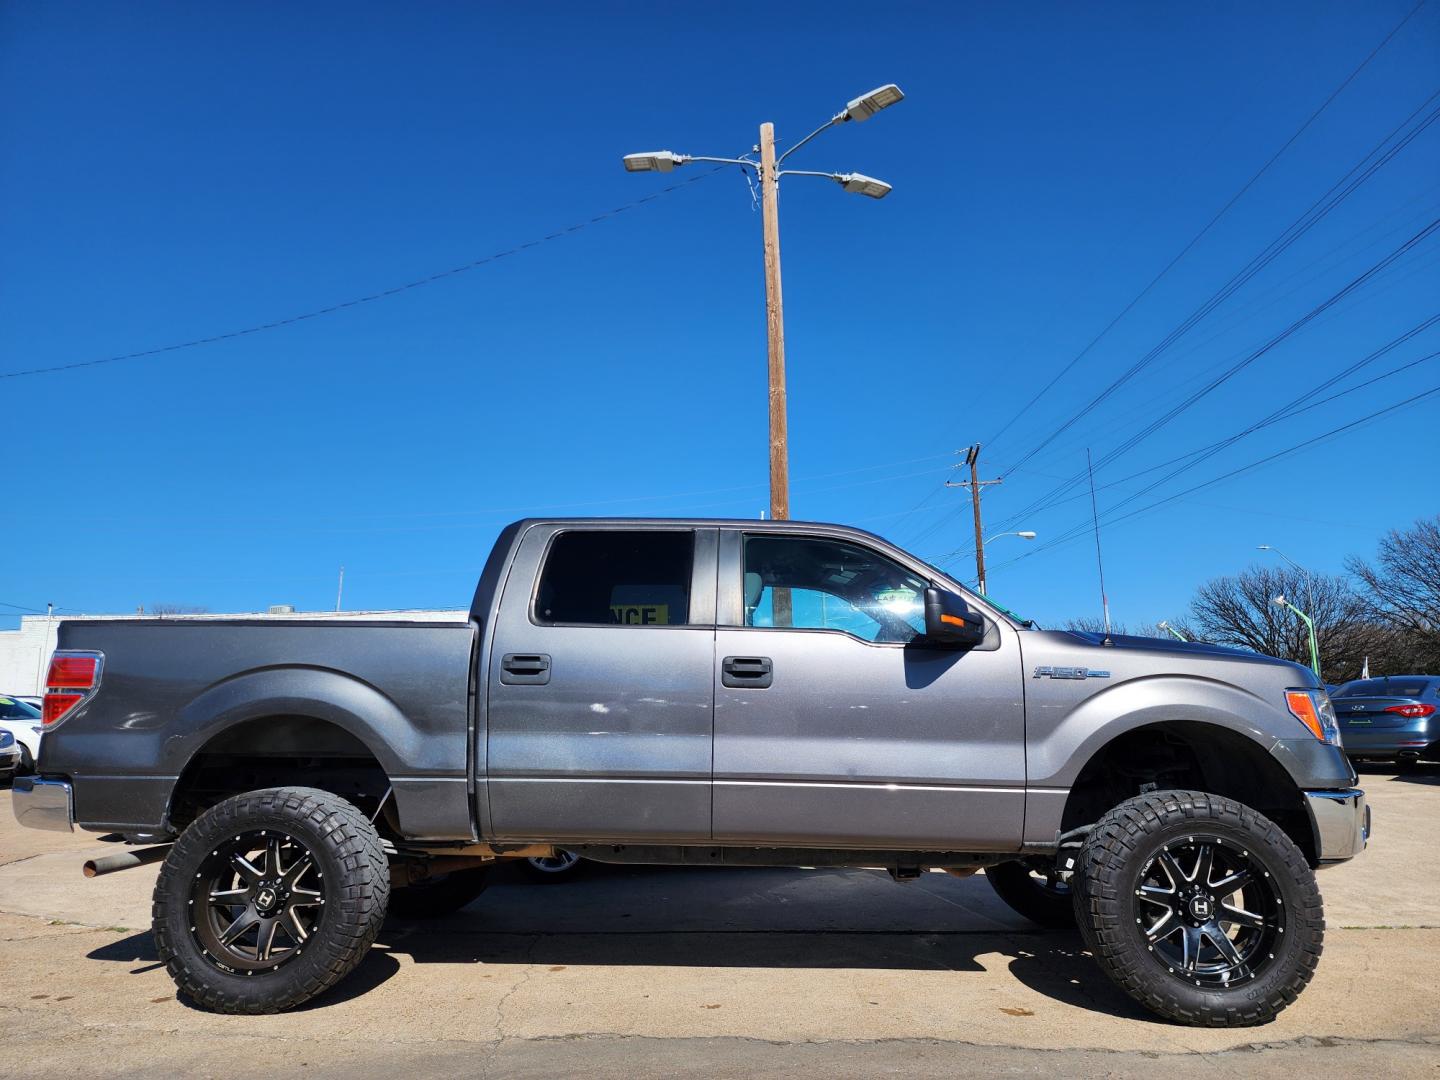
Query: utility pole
x=340, y=589
x=774, y=330
x=768, y=171
x=972, y=459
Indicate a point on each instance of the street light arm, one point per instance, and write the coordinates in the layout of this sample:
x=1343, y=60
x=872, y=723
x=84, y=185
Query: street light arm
x=727, y=161
x=823, y=127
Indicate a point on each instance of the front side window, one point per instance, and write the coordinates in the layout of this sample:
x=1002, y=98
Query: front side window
x=819, y=584
x=617, y=578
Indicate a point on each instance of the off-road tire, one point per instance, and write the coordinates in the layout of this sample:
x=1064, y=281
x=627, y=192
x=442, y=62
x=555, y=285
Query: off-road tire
x=346, y=851
x=1048, y=906
x=1112, y=861
x=439, y=896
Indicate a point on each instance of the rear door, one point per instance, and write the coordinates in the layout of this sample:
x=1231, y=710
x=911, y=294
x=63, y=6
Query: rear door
x=836, y=724
x=601, y=692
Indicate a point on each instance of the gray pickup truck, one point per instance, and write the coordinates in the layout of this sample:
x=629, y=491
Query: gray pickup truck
x=731, y=693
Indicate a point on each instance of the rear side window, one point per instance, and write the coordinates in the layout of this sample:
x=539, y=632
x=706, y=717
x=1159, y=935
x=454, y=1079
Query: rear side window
x=617, y=578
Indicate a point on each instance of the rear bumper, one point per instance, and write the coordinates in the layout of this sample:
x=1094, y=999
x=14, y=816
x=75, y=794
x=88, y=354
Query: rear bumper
x=1386, y=742
x=1341, y=820
x=43, y=804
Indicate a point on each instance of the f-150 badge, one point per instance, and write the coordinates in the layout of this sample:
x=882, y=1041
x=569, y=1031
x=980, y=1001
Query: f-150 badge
x=1069, y=673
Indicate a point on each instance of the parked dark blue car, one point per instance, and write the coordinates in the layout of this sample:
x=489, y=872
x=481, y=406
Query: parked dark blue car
x=1392, y=718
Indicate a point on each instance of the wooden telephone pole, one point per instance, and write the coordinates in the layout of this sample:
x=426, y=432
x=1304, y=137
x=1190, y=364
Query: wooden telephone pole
x=774, y=327
x=972, y=459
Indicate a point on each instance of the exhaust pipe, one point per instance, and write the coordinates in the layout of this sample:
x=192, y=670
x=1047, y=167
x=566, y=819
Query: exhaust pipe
x=126, y=860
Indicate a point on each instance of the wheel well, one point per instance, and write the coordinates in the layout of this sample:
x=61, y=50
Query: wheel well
x=278, y=751
x=1196, y=756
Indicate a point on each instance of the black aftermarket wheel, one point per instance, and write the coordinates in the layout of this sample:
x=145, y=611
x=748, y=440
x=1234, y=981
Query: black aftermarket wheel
x=270, y=898
x=1200, y=908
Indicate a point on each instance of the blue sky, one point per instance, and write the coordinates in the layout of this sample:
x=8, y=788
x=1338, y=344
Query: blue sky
x=178, y=171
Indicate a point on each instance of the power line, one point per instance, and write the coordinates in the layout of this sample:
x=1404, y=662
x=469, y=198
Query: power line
x=1208, y=225
x=429, y=279
x=1292, y=409
x=1079, y=530
x=1049, y=498
x=1341, y=190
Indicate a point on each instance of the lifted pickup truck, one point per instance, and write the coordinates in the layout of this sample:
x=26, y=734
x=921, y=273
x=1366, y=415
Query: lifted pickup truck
x=718, y=692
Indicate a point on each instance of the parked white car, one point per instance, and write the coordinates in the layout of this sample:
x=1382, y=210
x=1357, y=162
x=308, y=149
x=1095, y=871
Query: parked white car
x=9, y=755
x=22, y=720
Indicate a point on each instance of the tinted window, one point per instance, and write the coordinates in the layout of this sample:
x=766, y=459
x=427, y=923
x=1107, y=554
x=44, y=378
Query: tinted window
x=1398, y=687
x=10, y=709
x=617, y=578
x=831, y=585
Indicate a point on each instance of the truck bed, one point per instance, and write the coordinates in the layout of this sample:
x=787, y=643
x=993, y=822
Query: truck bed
x=402, y=689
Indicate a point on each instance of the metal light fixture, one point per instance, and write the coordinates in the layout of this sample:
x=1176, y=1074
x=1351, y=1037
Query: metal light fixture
x=867, y=105
x=654, y=161
x=861, y=184
x=1025, y=534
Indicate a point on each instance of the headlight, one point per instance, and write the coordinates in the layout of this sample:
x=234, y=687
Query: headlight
x=1313, y=709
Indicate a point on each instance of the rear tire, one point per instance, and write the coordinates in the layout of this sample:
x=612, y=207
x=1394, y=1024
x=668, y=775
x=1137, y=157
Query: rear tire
x=1031, y=889
x=269, y=899
x=1199, y=908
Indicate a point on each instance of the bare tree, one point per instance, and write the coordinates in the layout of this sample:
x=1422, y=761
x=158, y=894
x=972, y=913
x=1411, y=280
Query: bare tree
x=1403, y=585
x=1093, y=624
x=177, y=609
x=1239, y=610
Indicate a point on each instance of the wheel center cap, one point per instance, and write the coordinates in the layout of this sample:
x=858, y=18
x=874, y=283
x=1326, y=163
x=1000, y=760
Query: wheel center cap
x=1201, y=907
x=265, y=900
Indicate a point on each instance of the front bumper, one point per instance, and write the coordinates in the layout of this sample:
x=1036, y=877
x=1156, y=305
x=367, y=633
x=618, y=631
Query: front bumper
x=43, y=804
x=1341, y=820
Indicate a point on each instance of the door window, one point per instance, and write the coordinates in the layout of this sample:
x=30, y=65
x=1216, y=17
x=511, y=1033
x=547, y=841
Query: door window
x=820, y=584
x=617, y=578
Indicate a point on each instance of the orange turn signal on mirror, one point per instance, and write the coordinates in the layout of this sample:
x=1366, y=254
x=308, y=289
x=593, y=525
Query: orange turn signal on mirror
x=1302, y=707
x=952, y=620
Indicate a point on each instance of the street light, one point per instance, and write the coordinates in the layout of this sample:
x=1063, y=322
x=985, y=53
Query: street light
x=768, y=171
x=1309, y=577
x=1024, y=534
x=1176, y=634
x=1280, y=601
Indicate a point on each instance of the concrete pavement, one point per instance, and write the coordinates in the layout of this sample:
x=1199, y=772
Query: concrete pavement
x=639, y=971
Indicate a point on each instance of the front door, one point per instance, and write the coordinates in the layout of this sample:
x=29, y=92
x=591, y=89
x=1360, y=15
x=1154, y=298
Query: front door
x=600, y=686
x=835, y=724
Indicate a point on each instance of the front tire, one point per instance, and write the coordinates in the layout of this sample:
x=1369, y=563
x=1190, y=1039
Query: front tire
x=1033, y=889
x=1199, y=908
x=270, y=898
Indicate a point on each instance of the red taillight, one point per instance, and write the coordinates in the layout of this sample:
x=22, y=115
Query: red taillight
x=57, y=705
x=1411, y=712
x=73, y=677
x=72, y=671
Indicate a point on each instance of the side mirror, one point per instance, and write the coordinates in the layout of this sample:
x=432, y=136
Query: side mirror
x=949, y=619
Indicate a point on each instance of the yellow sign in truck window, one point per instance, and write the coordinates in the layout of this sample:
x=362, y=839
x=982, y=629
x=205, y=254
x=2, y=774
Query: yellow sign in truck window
x=640, y=614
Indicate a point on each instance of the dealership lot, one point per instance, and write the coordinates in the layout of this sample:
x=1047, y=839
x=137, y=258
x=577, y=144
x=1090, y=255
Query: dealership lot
x=631, y=970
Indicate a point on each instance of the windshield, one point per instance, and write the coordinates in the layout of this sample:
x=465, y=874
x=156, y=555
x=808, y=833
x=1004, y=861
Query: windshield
x=1029, y=624
x=10, y=709
x=1387, y=687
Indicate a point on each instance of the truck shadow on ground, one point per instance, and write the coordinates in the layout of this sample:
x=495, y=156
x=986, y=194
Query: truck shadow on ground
x=1051, y=963
x=619, y=917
